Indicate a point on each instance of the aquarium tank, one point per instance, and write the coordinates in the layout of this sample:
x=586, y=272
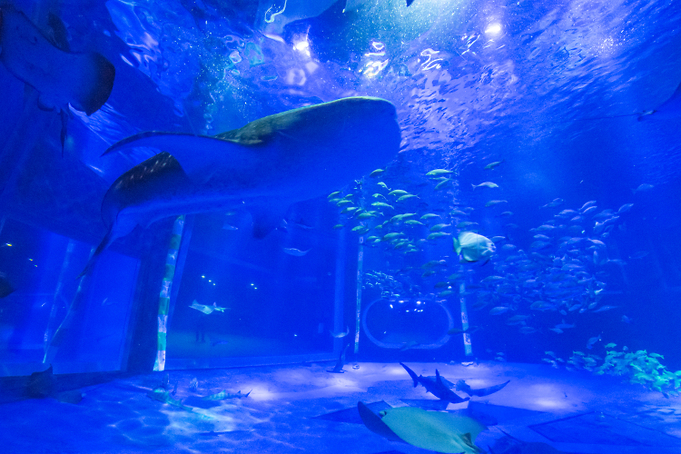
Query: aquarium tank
x=340, y=226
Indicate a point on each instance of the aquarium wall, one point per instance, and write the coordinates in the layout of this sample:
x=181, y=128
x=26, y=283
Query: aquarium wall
x=49, y=317
x=514, y=192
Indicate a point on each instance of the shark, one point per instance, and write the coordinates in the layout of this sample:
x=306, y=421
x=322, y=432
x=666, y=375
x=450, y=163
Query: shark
x=263, y=167
x=222, y=395
x=461, y=385
x=62, y=78
x=436, y=386
x=165, y=397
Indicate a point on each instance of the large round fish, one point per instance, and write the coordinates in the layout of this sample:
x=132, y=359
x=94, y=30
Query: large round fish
x=473, y=247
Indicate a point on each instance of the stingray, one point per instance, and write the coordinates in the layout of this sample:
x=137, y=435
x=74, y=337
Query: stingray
x=43, y=384
x=434, y=430
x=262, y=167
x=374, y=423
x=435, y=386
x=83, y=80
x=461, y=385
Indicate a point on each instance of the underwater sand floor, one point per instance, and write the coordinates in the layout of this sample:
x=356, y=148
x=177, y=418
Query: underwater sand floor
x=574, y=412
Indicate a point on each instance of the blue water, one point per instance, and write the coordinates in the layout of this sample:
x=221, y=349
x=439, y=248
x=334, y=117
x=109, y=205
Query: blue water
x=550, y=91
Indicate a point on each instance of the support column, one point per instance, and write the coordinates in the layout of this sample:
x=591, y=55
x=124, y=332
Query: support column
x=164, y=297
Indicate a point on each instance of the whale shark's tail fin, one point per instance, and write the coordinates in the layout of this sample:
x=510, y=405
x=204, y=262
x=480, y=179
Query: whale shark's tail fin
x=412, y=374
x=106, y=241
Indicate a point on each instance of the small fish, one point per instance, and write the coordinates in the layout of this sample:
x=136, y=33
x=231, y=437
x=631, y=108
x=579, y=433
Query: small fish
x=406, y=197
x=295, y=252
x=360, y=229
x=486, y=184
x=377, y=172
x=378, y=195
x=590, y=343
x=383, y=185
x=610, y=345
x=436, y=235
x=564, y=325
x=438, y=172
x=367, y=215
x=429, y=216
x=438, y=227
x=382, y=205
x=626, y=319
x=400, y=217
x=605, y=308
x=588, y=204
x=492, y=203
x=554, y=203
x=498, y=310
x=469, y=330
x=338, y=226
x=492, y=165
x=589, y=210
x=442, y=184
x=527, y=330
x=413, y=222
x=333, y=194
x=397, y=192
x=644, y=187
x=624, y=208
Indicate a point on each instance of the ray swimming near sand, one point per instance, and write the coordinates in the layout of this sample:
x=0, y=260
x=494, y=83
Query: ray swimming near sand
x=262, y=167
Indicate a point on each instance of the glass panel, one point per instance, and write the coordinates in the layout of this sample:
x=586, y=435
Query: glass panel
x=241, y=297
x=39, y=269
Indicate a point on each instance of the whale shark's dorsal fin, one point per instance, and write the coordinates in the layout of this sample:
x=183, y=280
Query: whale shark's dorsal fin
x=199, y=166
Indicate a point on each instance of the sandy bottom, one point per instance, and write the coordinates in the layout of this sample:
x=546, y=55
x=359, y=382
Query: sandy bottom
x=294, y=409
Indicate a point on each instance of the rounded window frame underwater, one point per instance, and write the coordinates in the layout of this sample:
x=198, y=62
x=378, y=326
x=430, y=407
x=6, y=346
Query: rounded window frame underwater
x=393, y=345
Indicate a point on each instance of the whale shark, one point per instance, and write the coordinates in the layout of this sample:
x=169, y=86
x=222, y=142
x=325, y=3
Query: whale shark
x=263, y=167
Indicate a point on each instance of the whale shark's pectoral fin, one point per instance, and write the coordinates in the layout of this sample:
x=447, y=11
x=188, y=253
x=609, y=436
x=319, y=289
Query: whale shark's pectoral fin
x=266, y=217
x=200, y=156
